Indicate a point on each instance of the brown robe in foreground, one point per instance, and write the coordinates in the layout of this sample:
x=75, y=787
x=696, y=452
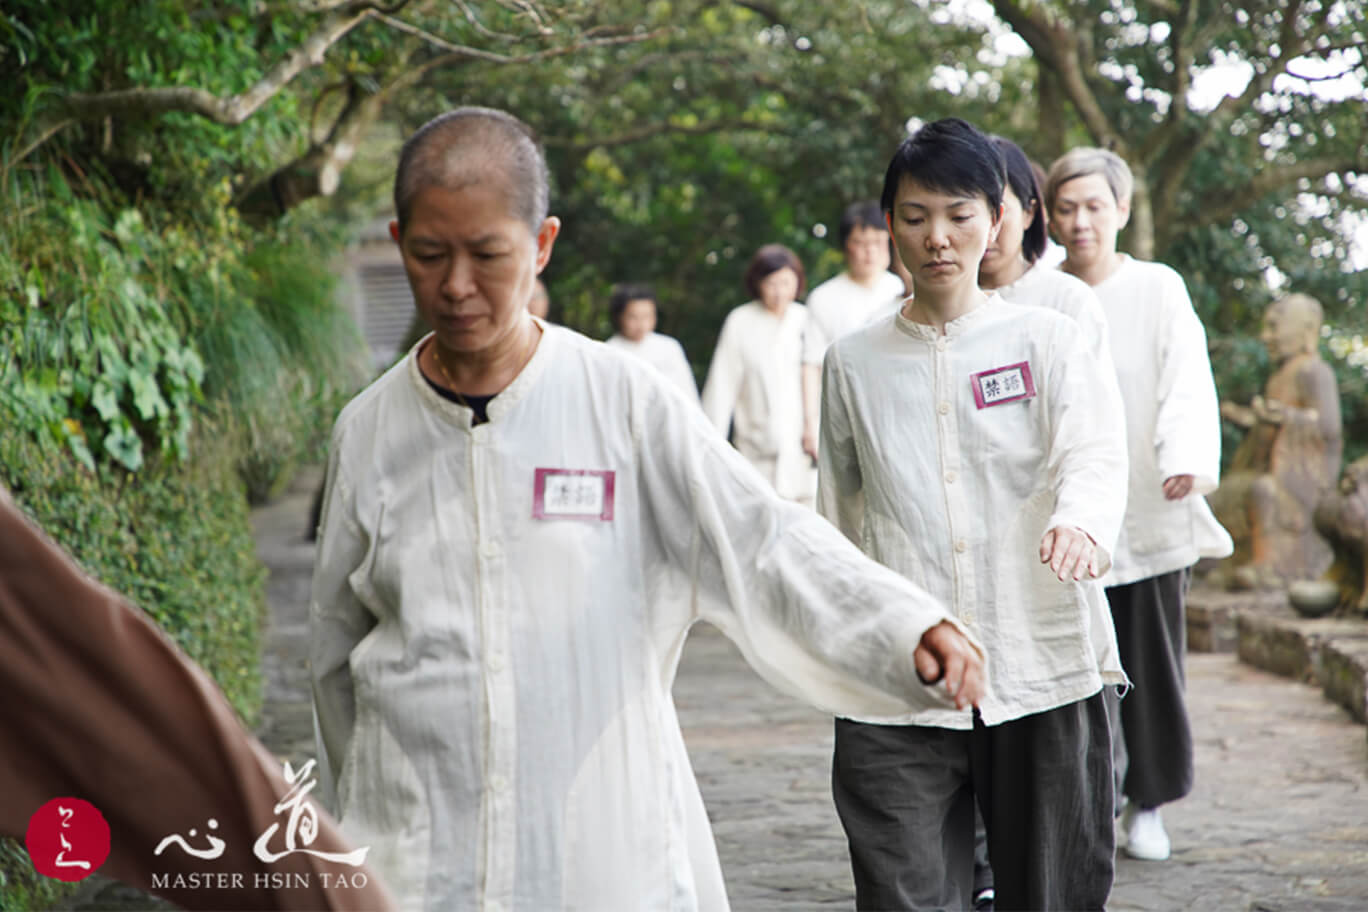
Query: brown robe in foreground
x=98, y=704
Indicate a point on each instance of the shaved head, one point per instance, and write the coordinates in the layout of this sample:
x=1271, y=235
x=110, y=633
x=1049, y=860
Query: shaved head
x=471, y=146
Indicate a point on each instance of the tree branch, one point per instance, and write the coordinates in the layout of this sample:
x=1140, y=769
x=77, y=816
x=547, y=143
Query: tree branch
x=1035, y=29
x=1290, y=46
x=531, y=11
x=318, y=172
x=234, y=109
x=1055, y=46
x=1331, y=78
x=1181, y=45
x=479, y=26
x=465, y=52
x=1222, y=205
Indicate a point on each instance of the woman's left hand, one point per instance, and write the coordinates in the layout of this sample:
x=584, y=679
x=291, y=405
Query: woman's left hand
x=1070, y=552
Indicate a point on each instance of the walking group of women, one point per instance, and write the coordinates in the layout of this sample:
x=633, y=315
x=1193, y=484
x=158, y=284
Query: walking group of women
x=1007, y=462
x=521, y=525
x=944, y=473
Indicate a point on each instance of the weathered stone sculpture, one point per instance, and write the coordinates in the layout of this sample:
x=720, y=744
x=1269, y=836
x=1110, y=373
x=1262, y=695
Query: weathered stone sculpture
x=1342, y=517
x=1287, y=461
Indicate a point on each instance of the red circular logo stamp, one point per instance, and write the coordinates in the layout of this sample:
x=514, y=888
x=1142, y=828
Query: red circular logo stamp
x=67, y=839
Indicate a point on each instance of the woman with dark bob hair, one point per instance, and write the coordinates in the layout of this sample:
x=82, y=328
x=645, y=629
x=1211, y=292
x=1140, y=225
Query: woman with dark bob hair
x=970, y=444
x=755, y=381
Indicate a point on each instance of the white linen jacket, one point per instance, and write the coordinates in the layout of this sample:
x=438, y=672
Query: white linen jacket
x=1173, y=421
x=840, y=305
x=665, y=354
x=1042, y=286
x=755, y=387
x=956, y=496
x=498, y=612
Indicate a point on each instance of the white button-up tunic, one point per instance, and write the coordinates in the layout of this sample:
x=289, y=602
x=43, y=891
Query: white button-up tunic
x=956, y=497
x=1044, y=286
x=1173, y=421
x=492, y=690
x=665, y=354
x=754, y=386
x=839, y=305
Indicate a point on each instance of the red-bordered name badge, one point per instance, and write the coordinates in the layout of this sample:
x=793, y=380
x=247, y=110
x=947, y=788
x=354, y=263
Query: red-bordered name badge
x=1003, y=384
x=573, y=494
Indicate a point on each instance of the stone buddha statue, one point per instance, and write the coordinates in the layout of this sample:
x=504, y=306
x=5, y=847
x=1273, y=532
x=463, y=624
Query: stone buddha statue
x=1288, y=459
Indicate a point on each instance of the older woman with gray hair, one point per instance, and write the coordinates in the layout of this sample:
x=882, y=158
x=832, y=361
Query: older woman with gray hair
x=1173, y=429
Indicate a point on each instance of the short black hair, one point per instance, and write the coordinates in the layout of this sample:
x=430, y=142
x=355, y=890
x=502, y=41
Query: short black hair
x=949, y=156
x=864, y=214
x=625, y=294
x=468, y=144
x=770, y=259
x=1021, y=179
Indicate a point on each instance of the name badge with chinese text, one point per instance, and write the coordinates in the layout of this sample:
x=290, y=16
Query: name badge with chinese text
x=573, y=494
x=1003, y=384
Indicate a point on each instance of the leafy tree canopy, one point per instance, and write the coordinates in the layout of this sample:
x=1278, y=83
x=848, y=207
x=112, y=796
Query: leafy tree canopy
x=685, y=133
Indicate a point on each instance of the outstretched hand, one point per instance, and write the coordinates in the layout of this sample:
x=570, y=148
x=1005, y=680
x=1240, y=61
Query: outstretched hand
x=946, y=655
x=1070, y=552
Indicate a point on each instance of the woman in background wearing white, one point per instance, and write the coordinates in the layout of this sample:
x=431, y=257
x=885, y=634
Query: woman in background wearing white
x=754, y=383
x=633, y=310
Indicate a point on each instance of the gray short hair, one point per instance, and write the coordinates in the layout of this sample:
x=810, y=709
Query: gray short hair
x=1086, y=160
x=467, y=144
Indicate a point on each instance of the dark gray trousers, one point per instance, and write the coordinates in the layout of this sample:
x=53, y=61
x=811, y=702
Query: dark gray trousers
x=905, y=795
x=1151, y=631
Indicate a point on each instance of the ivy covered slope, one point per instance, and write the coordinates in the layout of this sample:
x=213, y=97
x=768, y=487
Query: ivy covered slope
x=157, y=372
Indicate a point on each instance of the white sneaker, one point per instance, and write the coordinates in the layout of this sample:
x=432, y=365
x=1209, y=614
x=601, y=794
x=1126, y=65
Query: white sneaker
x=1145, y=837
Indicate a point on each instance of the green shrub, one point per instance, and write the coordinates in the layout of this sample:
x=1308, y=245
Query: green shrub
x=21, y=887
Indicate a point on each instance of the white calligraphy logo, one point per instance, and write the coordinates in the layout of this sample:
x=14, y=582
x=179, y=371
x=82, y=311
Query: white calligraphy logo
x=302, y=827
x=216, y=845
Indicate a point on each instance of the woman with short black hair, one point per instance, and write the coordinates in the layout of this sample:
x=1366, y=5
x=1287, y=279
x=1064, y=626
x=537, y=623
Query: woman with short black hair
x=968, y=443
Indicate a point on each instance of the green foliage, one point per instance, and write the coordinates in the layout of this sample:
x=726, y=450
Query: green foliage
x=91, y=355
x=68, y=46
x=305, y=352
x=21, y=887
x=675, y=159
x=115, y=322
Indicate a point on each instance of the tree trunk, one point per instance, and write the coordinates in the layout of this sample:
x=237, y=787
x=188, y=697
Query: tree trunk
x=319, y=170
x=1140, y=238
x=1050, y=135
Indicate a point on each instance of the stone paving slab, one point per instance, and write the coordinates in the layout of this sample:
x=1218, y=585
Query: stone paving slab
x=1278, y=819
x=1211, y=615
x=1284, y=643
x=1344, y=673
